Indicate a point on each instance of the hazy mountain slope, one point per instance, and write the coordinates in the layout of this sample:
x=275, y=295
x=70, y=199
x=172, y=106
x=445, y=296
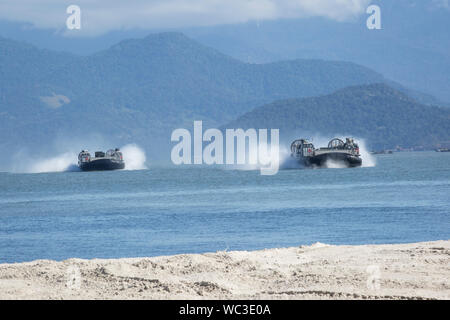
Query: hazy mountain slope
x=141, y=89
x=173, y=72
x=412, y=48
x=383, y=116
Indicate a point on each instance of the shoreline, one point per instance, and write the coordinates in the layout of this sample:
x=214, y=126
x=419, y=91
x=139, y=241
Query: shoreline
x=319, y=271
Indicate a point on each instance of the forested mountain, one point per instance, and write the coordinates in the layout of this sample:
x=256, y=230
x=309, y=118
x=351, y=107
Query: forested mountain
x=377, y=113
x=140, y=89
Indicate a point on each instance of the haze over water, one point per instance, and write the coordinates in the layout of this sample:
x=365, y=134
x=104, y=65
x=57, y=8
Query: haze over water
x=163, y=211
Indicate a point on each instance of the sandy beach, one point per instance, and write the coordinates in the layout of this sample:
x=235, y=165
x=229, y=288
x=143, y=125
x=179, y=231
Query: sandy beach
x=319, y=271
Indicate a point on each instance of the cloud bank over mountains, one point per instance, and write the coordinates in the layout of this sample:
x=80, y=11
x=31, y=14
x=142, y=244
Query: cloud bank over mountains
x=99, y=17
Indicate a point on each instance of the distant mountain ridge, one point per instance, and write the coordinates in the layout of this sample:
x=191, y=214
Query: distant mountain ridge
x=381, y=115
x=140, y=89
x=412, y=48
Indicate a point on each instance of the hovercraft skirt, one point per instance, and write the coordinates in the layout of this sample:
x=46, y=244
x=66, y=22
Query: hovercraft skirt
x=102, y=165
x=321, y=160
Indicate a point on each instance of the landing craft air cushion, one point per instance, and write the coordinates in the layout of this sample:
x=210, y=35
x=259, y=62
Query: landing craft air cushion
x=112, y=160
x=344, y=152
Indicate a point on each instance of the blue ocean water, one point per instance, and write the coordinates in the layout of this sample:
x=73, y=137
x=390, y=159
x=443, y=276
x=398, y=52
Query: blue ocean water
x=163, y=211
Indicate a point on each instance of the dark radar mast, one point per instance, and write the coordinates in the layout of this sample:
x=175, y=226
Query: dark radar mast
x=337, y=150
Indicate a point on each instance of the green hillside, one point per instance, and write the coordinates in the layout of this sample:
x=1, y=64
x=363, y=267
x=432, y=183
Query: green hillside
x=383, y=116
x=141, y=89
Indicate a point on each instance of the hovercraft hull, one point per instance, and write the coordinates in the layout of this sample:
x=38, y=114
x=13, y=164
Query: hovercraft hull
x=321, y=160
x=102, y=165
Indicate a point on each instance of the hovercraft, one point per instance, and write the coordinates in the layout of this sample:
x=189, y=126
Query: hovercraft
x=337, y=150
x=111, y=160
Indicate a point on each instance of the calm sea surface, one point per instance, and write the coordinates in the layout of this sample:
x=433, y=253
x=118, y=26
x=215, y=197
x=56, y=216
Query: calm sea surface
x=162, y=211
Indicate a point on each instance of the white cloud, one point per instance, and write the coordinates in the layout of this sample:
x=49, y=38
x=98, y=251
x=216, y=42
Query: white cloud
x=442, y=4
x=101, y=16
